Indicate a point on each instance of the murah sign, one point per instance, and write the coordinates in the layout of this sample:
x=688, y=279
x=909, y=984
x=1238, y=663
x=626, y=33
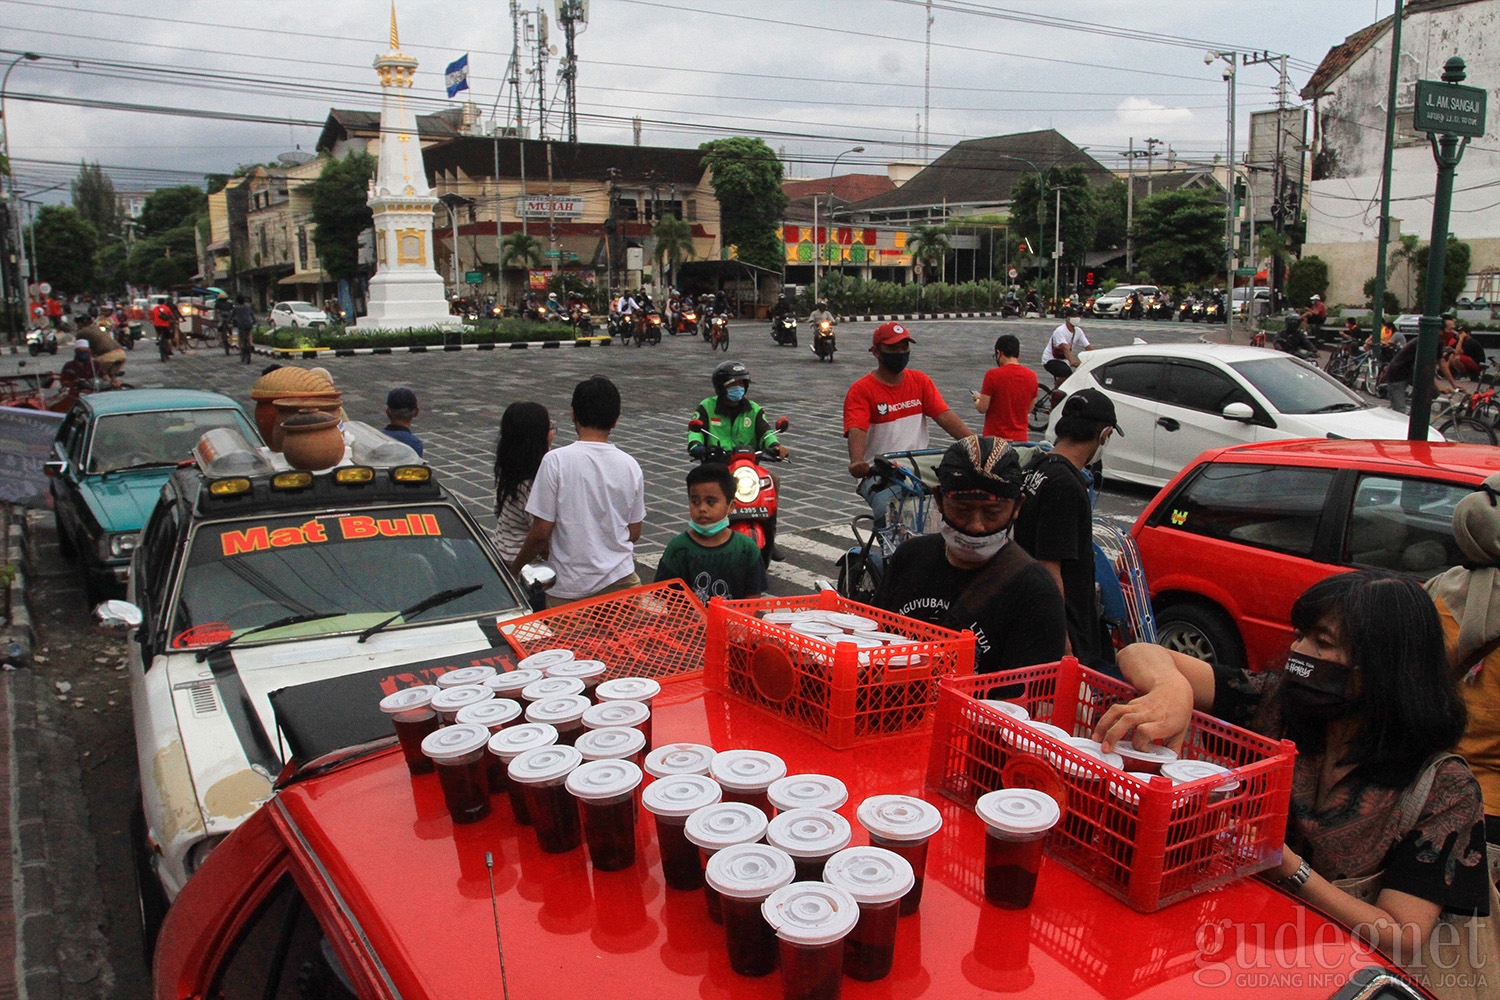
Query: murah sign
x=543, y=207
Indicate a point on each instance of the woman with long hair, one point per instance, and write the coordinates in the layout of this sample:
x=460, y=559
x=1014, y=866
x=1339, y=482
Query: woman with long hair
x=525, y=435
x=1386, y=827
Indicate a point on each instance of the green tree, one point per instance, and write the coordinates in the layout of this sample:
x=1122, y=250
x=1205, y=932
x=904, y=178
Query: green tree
x=1455, y=273
x=1034, y=205
x=1304, y=279
x=1109, y=216
x=746, y=176
x=674, y=243
x=1179, y=236
x=169, y=208
x=94, y=197
x=520, y=250
x=340, y=212
x=1392, y=305
x=65, y=246
x=929, y=245
x=1405, y=254
x=166, y=255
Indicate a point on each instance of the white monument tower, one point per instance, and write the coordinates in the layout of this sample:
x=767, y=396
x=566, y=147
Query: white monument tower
x=406, y=291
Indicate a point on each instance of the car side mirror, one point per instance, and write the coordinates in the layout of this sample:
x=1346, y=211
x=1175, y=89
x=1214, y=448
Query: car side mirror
x=118, y=617
x=1239, y=411
x=55, y=467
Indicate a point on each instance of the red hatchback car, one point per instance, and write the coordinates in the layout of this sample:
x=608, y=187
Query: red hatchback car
x=1230, y=543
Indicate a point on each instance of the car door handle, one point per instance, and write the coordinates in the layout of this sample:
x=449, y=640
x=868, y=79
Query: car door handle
x=1167, y=423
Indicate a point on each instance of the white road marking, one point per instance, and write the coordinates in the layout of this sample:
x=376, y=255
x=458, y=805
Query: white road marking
x=809, y=546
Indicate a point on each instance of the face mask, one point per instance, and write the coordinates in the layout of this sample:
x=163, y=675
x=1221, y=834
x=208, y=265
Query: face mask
x=894, y=362
x=1314, y=688
x=1098, y=451
x=735, y=393
x=710, y=529
x=974, y=548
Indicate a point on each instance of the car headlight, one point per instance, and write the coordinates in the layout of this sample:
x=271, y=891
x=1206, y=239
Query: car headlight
x=199, y=852
x=118, y=545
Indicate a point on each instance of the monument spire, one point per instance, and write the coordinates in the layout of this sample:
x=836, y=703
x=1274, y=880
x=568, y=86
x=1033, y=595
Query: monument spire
x=395, y=36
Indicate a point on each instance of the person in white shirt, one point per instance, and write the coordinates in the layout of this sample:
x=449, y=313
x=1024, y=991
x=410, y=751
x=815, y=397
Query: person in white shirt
x=1060, y=356
x=587, y=503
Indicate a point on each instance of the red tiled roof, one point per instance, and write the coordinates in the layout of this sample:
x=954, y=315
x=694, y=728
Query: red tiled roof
x=1341, y=56
x=846, y=187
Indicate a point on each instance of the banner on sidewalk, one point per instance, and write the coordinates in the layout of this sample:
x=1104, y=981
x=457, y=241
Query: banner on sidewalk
x=25, y=443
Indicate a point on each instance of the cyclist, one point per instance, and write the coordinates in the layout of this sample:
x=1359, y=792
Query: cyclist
x=1060, y=356
x=732, y=420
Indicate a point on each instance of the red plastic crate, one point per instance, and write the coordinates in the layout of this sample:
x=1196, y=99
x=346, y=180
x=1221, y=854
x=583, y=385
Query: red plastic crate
x=651, y=631
x=842, y=695
x=1149, y=845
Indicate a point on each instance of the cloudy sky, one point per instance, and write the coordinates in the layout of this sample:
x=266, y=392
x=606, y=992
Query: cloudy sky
x=246, y=81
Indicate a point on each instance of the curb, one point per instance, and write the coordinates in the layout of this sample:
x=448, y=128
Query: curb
x=352, y=352
x=21, y=631
x=887, y=317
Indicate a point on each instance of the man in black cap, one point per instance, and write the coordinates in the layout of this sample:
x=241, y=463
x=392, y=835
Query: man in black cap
x=971, y=575
x=401, y=409
x=1056, y=524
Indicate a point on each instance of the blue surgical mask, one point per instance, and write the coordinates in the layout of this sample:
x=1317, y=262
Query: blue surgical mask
x=735, y=393
x=710, y=529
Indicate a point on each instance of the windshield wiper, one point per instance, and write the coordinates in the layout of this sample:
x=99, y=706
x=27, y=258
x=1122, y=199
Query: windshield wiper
x=142, y=465
x=440, y=598
x=1338, y=407
x=268, y=626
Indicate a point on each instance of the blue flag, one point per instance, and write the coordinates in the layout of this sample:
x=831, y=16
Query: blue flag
x=457, y=75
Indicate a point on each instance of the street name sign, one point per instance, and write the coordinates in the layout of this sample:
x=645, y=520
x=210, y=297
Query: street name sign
x=1450, y=108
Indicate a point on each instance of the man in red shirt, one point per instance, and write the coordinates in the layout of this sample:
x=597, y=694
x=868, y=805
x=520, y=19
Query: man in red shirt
x=1008, y=392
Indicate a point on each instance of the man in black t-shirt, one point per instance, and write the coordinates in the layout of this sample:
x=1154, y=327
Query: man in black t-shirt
x=1057, y=520
x=971, y=576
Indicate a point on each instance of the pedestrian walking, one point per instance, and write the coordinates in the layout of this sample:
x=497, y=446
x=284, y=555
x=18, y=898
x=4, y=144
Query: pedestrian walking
x=243, y=320
x=1007, y=393
x=526, y=433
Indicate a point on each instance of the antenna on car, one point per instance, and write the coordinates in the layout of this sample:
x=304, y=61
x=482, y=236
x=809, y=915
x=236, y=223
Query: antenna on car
x=489, y=864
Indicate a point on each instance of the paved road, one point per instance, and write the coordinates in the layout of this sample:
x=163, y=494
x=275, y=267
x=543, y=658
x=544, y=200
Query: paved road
x=463, y=394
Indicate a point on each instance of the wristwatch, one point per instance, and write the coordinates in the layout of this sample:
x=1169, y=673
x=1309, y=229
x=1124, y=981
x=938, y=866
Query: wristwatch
x=1297, y=879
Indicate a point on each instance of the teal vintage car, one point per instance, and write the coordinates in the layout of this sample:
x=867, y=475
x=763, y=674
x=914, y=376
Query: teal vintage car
x=112, y=454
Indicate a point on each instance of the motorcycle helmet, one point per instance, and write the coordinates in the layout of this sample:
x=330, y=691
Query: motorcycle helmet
x=980, y=465
x=551, y=296
x=726, y=372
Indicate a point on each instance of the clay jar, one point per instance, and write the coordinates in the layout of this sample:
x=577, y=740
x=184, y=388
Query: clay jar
x=312, y=441
x=289, y=406
x=285, y=381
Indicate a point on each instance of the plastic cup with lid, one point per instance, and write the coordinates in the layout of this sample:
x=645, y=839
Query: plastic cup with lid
x=544, y=659
x=605, y=790
x=1017, y=821
x=890, y=638
x=614, y=743
x=853, y=623
x=448, y=701
x=811, y=837
x=744, y=876
x=614, y=714
x=1086, y=804
x=878, y=880
x=1120, y=819
x=591, y=672
x=457, y=751
x=551, y=687
x=745, y=775
x=1009, y=708
x=679, y=758
x=465, y=675
x=904, y=825
x=672, y=800
x=563, y=712
x=807, y=791
x=1026, y=740
x=509, y=685
x=542, y=775
x=713, y=828
x=1184, y=771
x=641, y=689
x=812, y=921
x=413, y=718
x=1149, y=760
x=1197, y=820
x=508, y=744
x=815, y=629
x=494, y=715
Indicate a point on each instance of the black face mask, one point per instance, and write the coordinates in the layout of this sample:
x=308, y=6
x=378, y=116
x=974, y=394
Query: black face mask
x=893, y=362
x=1316, y=689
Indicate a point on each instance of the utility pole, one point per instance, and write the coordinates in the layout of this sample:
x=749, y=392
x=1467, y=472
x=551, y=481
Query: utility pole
x=1382, y=238
x=541, y=73
x=1231, y=59
x=1151, y=155
x=1130, y=211
x=1277, y=208
x=1057, y=245
x=571, y=13
x=927, y=88
x=552, y=216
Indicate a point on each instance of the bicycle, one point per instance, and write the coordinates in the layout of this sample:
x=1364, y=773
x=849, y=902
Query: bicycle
x=1456, y=421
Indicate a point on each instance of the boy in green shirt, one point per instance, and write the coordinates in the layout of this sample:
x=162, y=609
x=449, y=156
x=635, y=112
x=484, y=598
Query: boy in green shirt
x=713, y=560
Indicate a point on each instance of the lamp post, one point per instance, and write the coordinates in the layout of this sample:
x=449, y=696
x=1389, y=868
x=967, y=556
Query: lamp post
x=818, y=257
x=1230, y=59
x=8, y=294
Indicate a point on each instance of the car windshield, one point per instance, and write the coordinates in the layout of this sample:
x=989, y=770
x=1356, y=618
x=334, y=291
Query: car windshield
x=1296, y=388
x=156, y=437
x=301, y=307
x=362, y=565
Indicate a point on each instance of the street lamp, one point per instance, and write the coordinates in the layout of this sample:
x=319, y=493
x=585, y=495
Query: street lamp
x=818, y=257
x=7, y=294
x=1230, y=59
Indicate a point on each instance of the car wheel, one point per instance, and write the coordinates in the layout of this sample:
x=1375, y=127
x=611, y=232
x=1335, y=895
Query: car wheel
x=151, y=898
x=65, y=546
x=1201, y=631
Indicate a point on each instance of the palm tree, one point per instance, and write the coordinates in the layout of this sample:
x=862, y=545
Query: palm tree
x=1278, y=248
x=928, y=245
x=520, y=250
x=1407, y=253
x=674, y=241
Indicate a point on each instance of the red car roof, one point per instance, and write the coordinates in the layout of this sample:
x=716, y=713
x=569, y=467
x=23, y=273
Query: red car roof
x=420, y=891
x=1477, y=460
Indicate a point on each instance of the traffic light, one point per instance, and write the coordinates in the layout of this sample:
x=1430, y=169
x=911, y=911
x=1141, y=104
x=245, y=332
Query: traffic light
x=1090, y=279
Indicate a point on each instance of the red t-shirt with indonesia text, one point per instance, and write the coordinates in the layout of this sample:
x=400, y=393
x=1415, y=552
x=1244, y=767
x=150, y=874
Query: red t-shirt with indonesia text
x=1012, y=391
x=894, y=416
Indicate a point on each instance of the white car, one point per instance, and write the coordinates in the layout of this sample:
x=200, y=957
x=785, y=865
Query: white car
x=1176, y=401
x=1112, y=301
x=298, y=314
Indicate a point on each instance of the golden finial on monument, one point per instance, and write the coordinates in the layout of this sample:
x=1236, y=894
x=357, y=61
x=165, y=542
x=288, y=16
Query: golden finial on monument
x=395, y=38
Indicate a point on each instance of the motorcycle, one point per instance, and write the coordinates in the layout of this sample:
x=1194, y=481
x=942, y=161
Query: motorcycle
x=1213, y=310
x=753, y=512
x=41, y=339
x=647, y=327
x=823, y=343
x=619, y=326
x=1011, y=306
x=716, y=331
x=582, y=320
x=784, y=330
x=1185, y=310
x=687, y=322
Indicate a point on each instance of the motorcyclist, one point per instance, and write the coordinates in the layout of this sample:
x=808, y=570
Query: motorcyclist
x=783, y=307
x=554, y=307
x=732, y=420
x=1292, y=339
x=820, y=313
x=82, y=368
